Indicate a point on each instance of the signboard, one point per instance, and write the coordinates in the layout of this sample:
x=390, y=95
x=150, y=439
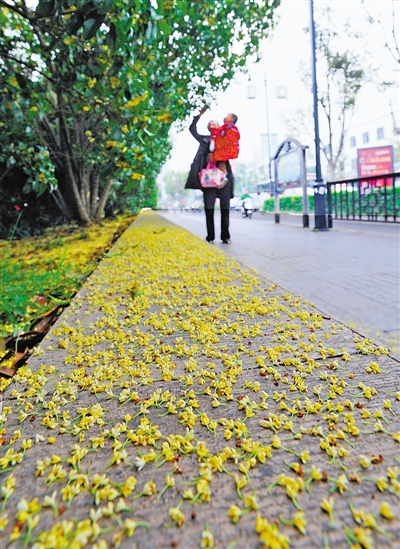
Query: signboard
x=375, y=161
x=289, y=171
x=273, y=141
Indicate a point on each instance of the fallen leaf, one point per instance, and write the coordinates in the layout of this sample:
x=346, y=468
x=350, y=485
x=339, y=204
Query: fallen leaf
x=20, y=359
x=46, y=321
x=6, y=372
x=40, y=299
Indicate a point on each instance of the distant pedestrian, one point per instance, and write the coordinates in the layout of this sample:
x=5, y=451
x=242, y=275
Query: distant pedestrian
x=210, y=195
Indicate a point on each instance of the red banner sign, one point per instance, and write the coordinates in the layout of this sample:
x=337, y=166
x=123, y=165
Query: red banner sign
x=375, y=161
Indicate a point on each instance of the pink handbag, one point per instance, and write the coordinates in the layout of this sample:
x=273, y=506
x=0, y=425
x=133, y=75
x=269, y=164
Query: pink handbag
x=212, y=177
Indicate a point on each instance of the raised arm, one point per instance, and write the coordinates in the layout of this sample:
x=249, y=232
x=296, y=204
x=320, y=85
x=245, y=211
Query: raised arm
x=193, y=125
x=193, y=129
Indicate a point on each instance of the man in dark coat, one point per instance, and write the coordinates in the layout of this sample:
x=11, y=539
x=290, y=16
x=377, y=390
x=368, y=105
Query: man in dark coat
x=210, y=194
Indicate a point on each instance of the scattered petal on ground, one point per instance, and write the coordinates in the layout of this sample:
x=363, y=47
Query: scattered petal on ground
x=182, y=401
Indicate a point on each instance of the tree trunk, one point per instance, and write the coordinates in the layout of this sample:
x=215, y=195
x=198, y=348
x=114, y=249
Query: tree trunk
x=78, y=205
x=331, y=171
x=103, y=200
x=61, y=204
x=94, y=190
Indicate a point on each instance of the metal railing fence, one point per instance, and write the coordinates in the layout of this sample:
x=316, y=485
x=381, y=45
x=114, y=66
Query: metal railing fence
x=374, y=198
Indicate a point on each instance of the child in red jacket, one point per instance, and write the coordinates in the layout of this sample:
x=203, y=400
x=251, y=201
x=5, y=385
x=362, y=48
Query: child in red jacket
x=226, y=142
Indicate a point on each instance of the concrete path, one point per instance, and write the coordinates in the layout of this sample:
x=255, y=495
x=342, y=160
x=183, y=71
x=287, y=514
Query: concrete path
x=182, y=401
x=352, y=271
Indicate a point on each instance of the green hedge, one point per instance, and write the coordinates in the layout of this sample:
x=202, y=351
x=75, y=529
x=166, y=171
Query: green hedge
x=372, y=203
x=294, y=203
x=289, y=204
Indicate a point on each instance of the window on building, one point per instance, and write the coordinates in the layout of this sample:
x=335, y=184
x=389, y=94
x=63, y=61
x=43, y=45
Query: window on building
x=380, y=133
x=352, y=141
x=354, y=164
x=341, y=165
x=366, y=137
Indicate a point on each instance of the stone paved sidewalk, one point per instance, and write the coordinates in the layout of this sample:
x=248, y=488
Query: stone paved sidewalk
x=184, y=401
x=352, y=270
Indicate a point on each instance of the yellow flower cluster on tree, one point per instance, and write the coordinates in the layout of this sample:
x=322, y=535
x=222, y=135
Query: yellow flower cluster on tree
x=176, y=378
x=136, y=100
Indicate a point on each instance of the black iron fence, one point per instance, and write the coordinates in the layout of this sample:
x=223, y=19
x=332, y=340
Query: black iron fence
x=374, y=198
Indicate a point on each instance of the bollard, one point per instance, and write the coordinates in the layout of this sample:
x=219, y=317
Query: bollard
x=319, y=207
x=277, y=207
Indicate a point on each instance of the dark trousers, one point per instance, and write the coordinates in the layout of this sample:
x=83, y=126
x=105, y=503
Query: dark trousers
x=224, y=195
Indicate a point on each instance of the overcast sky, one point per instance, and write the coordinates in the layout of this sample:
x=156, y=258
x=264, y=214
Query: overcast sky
x=282, y=53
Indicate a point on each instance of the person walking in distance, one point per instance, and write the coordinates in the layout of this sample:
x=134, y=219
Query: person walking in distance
x=210, y=194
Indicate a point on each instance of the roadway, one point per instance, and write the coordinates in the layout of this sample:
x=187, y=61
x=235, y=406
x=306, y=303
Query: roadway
x=351, y=271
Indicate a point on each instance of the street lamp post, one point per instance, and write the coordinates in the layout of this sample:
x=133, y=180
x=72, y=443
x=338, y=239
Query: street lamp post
x=268, y=133
x=251, y=94
x=319, y=187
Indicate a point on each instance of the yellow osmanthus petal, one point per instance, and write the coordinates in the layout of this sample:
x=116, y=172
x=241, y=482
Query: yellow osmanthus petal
x=167, y=365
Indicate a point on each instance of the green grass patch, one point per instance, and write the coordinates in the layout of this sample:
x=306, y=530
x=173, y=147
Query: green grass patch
x=40, y=273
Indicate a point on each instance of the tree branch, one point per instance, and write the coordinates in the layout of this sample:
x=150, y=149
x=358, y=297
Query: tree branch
x=68, y=109
x=59, y=200
x=396, y=53
x=51, y=140
x=26, y=64
x=341, y=140
x=396, y=44
x=23, y=13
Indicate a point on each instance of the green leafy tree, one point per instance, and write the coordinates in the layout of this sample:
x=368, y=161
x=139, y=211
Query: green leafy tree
x=89, y=90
